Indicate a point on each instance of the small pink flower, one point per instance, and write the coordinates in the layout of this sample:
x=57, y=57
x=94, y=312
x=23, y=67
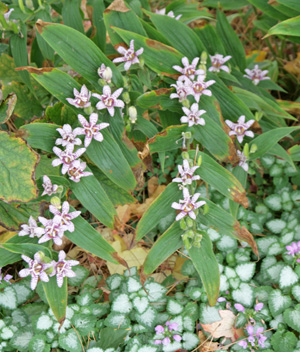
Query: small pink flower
x=186, y=174
x=54, y=230
x=32, y=230
x=63, y=268
x=129, y=56
x=173, y=326
x=67, y=136
x=239, y=307
x=90, y=129
x=109, y=101
x=182, y=89
x=243, y=160
x=256, y=75
x=36, y=270
x=6, y=277
x=75, y=171
x=82, y=99
x=240, y=128
x=187, y=205
x=49, y=189
x=159, y=329
x=293, y=248
x=199, y=87
x=65, y=216
x=192, y=116
x=243, y=344
x=166, y=341
x=158, y=342
x=177, y=338
x=221, y=299
x=66, y=157
x=258, y=307
x=189, y=70
x=218, y=62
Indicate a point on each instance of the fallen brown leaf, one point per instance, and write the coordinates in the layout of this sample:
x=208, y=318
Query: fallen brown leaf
x=224, y=327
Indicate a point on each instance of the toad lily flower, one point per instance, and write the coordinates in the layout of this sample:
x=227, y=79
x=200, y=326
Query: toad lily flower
x=65, y=216
x=63, y=268
x=240, y=128
x=32, y=230
x=218, y=62
x=182, y=89
x=199, y=87
x=187, y=205
x=66, y=157
x=105, y=73
x=186, y=173
x=169, y=14
x=36, y=270
x=109, y=101
x=67, y=136
x=193, y=116
x=54, y=230
x=49, y=189
x=243, y=160
x=189, y=70
x=82, y=99
x=90, y=129
x=256, y=75
x=6, y=278
x=130, y=57
x=75, y=171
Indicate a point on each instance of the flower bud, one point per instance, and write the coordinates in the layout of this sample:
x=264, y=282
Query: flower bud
x=186, y=103
x=253, y=148
x=132, y=114
x=199, y=161
x=56, y=202
x=190, y=233
x=29, y=4
x=186, y=241
x=60, y=189
x=187, y=135
x=185, y=155
x=183, y=224
x=128, y=127
x=246, y=150
x=142, y=62
x=126, y=97
x=205, y=209
x=42, y=255
x=88, y=110
x=107, y=74
x=196, y=244
x=203, y=58
x=258, y=115
x=189, y=222
x=198, y=237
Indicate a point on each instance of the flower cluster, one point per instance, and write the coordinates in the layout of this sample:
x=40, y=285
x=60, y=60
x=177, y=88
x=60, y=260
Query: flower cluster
x=130, y=56
x=255, y=338
x=53, y=229
x=294, y=249
x=165, y=334
x=240, y=308
x=38, y=268
x=256, y=75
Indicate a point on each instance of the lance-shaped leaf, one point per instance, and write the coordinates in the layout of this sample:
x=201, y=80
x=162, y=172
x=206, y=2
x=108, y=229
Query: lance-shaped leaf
x=225, y=223
x=158, y=99
x=288, y=27
x=210, y=39
x=169, y=139
x=98, y=22
x=292, y=4
x=188, y=43
x=87, y=238
x=71, y=14
x=159, y=57
x=267, y=140
x=7, y=107
x=294, y=152
x=268, y=9
x=280, y=152
x=17, y=172
x=92, y=196
x=160, y=208
x=207, y=267
x=77, y=50
x=28, y=249
x=241, y=176
x=118, y=14
x=57, y=297
x=221, y=179
x=13, y=215
x=163, y=248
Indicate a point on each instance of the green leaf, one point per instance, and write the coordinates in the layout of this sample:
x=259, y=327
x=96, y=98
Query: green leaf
x=160, y=208
x=71, y=14
x=280, y=152
x=98, y=22
x=210, y=39
x=292, y=317
x=159, y=57
x=163, y=248
x=78, y=51
x=119, y=15
x=7, y=69
x=17, y=171
x=153, y=33
x=92, y=196
x=241, y=176
x=288, y=27
x=28, y=249
x=57, y=297
x=158, y=99
x=70, y=341
x=294, y=152
x=45, y=48
x=207, y=267
x=267, y=140
x=231, y=42
x=13, y=215
x=169, y=139
x=284, y=341
x=293, y=4
x=220, y=178
x=111, y=338
x=225, y=4
x=188, y=43
x=268, y=9
x=86, y=237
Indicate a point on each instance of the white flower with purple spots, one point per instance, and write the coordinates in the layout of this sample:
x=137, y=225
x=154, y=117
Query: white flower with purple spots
x=109, y=101
x=63, y=268
x=54, y=230
x=65, y=216
x=82, y=98
x=90, y=129
x=187, y=205
x=49, y=189
x=31, y=229
x=217, y=62
x=186, y=173
x=192, y=116
x=189, y=70
x=75, y=171
x=66, y=157
x=243, y=160
x=67, y=136
x=130, y=56
x=36, y=270
x=199, y=87
x=240, y=128
x=105, y=73
x=182, y=89
x=256, y=74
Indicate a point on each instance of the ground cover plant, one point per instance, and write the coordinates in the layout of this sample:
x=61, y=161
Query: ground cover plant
x=149, y=176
